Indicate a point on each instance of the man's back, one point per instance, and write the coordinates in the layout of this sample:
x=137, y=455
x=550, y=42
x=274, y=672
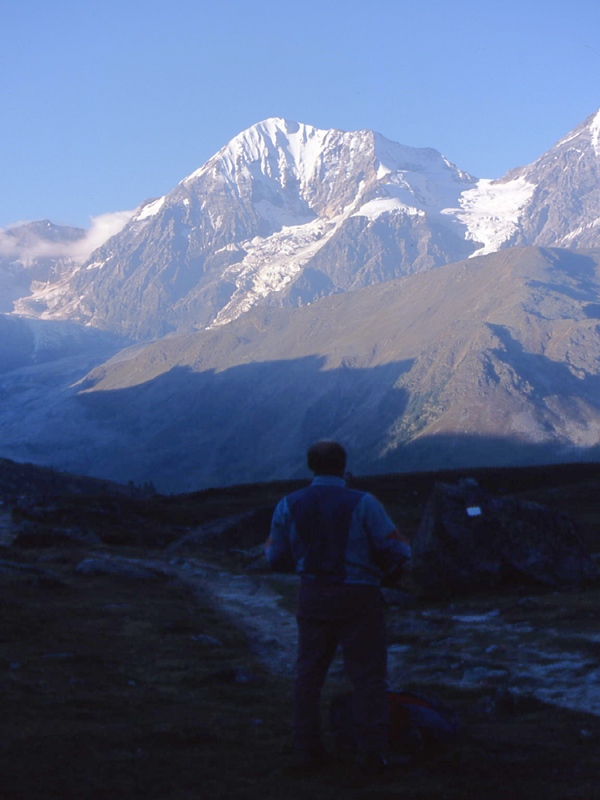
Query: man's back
x=333, y=534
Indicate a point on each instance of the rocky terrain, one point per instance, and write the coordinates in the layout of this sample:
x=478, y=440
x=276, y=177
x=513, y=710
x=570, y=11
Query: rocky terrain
x=151, y=666
x=35, y=254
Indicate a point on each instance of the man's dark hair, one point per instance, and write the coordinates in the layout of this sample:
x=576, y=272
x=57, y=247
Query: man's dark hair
x=326, y=458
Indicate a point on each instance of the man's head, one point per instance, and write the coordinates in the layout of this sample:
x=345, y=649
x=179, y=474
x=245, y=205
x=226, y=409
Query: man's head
x=327, y=458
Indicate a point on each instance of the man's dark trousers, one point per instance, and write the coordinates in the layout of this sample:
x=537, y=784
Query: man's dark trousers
x=351, y=616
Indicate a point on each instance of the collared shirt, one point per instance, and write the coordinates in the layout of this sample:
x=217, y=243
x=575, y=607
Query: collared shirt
x=334, y=535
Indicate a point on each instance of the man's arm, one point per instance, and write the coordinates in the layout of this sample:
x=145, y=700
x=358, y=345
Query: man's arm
x=390, y=548
x=277, y=547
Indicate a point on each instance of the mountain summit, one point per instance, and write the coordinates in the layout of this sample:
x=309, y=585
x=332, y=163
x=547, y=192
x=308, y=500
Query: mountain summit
x=287, y=213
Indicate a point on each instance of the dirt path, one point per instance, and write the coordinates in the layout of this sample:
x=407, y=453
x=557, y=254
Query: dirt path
x=249, y=602
x=253, y=606
x=477, y=649
x=554, y=664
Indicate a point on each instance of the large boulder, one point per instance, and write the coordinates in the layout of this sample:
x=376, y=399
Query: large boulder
x=470, y=541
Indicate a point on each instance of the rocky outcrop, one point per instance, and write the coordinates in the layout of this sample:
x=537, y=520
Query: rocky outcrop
x=240, y=532
x=119, y=568
x=471, y=541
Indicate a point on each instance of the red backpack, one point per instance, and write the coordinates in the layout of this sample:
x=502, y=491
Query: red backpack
x=415, y=720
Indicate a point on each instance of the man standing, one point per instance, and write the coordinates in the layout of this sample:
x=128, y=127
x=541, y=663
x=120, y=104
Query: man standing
x=341, y=543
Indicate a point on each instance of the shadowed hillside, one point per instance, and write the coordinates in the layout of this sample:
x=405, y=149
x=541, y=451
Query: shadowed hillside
x=490, y=361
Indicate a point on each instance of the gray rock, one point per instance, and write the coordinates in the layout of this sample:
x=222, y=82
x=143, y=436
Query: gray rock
x=117, y=567
x=506, y=541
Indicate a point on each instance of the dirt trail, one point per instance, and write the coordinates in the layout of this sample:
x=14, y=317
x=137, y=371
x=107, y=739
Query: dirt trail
x=253, y=606
x=483, y=649
x=477, y=650
x=248, y=601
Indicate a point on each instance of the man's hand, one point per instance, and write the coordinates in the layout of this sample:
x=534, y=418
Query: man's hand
x=396, y=536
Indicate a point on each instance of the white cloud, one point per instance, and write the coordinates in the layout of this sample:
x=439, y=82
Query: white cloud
x=14, y=247
x=102, y=228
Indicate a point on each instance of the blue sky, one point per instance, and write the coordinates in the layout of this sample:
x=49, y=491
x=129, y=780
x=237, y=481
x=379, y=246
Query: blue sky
x=105, y=105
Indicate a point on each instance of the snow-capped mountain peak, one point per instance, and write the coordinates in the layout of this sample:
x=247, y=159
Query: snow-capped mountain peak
x=273, y=148
x=595, y=133
x=286, y=213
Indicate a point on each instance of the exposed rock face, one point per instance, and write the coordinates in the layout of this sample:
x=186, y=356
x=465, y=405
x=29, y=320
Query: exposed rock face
x=32, y=255
x=470, y=541
x=564, y=209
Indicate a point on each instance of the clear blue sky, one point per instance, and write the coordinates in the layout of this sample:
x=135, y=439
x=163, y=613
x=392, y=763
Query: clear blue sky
x=107, y=104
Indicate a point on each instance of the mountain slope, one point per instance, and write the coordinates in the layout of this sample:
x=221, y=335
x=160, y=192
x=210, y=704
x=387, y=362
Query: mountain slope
x=492, y=360
x=27, y=342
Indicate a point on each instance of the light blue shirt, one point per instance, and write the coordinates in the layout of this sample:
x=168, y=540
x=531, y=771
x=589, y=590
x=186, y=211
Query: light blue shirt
x=354, y=521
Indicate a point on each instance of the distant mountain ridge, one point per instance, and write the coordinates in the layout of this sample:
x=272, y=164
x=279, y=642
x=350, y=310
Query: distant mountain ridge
x=30, y=254
x=490, y=361
x=564, y=206
x=283, y=213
